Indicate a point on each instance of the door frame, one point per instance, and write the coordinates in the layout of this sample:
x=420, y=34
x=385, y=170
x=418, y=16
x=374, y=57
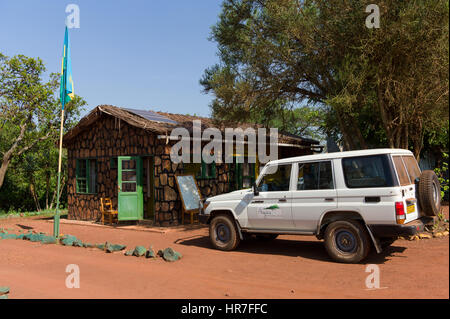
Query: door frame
x=139, y=190
x=309, y=206
x=150, y=182
x=236, y=183
x=272, y=200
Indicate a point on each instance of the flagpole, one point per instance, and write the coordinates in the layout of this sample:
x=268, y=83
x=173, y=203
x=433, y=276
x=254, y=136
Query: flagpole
x=66, y=95
x=56, y=231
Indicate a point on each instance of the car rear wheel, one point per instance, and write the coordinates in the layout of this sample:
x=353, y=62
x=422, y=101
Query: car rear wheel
x=223, y=233
x=429, y=193
x=347, y=241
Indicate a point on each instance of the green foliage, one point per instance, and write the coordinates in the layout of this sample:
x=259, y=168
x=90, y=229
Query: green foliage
x=304, y=121
x=30, y=114
x=442, y=173
x=374, y=87
x=41, y=213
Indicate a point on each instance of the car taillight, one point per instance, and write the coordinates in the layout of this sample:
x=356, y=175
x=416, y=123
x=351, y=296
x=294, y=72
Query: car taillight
x=400, y=212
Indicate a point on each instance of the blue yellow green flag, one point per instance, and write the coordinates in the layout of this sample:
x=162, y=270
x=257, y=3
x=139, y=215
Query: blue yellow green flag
x=66, y=89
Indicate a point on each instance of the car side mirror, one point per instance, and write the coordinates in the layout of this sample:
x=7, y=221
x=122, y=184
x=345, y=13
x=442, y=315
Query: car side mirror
x=255, y=189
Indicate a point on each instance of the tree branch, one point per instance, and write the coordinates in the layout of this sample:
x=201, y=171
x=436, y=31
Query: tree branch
x=42, y=138
x=9, y=153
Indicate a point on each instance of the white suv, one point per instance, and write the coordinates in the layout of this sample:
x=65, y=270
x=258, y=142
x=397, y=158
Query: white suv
x=352, y=200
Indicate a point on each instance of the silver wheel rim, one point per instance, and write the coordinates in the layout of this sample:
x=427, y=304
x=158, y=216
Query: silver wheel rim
x=435, y=195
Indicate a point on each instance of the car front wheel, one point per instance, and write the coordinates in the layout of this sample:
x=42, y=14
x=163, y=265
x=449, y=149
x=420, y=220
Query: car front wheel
x=347, y=241
x=223, y=233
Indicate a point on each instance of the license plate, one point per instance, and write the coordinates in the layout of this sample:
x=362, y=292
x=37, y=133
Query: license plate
x=410, y=209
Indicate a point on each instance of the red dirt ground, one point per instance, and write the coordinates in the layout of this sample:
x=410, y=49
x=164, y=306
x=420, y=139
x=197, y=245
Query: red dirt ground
x=289, y=267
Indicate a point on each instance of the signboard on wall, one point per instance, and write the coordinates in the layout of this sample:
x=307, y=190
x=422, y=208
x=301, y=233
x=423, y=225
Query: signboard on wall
x=190, y=194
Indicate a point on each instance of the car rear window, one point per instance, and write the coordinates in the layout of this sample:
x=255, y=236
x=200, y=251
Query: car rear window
x=411, y=167
x=407, y=169
x=401, y=171
x=367, y=171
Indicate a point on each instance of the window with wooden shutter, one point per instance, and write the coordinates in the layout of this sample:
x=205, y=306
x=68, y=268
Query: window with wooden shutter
x=200, y=171
x=86, y=176
x=208, y=171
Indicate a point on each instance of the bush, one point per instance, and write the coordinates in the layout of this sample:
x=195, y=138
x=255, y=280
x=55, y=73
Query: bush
x=442, y=173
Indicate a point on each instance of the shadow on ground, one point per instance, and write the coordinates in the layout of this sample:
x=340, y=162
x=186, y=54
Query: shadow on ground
x=50, y=217
x=293, y=248
x=180, y=227
x=148, y=224
x=24, y=226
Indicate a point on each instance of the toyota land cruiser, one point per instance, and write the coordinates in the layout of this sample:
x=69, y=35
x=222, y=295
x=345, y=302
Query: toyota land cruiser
x=353, y=200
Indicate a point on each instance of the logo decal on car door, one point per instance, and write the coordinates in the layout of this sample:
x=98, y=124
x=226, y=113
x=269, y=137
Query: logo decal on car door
x=271, y=211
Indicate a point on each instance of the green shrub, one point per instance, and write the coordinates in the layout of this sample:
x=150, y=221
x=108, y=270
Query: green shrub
x=442, y=173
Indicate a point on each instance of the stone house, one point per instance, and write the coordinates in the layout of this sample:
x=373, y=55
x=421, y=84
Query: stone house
x=124, y=154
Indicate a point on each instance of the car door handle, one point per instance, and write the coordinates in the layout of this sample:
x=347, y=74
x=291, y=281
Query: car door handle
x=329, y=199
x=372, y=199
x=257, y=201
x=282, y=200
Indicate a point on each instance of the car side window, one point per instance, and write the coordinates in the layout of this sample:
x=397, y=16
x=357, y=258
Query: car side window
x=313, y=176
x=367, y=171
x=412, y=167
x=401, y=171
x=276, y=178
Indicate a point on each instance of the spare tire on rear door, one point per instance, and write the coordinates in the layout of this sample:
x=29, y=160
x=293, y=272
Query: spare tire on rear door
x=429, y=193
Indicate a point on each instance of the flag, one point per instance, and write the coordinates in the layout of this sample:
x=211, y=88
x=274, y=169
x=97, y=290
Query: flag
x=66, y=95
x=66, y=89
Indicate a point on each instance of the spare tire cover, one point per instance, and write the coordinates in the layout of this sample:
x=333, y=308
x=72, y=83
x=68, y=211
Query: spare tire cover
x=429, y=193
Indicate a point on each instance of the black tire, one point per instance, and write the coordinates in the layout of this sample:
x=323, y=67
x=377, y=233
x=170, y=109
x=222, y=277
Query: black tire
x=266, y=237
x=347, y=241
x=223, y=233
x=429, y=193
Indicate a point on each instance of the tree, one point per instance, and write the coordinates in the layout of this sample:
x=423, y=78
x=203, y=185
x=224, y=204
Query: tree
x=304, y=121
x=380, y=87
x=29, y=108
x=407, y=67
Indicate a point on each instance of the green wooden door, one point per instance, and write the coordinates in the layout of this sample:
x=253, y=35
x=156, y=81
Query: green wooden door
x=130, y=197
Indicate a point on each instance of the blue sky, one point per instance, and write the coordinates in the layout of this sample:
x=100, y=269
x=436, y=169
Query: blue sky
x=136, y=53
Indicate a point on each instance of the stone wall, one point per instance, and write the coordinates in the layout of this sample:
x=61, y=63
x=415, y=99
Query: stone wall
x=104, y=139
x=219, y=185
x=109, y=137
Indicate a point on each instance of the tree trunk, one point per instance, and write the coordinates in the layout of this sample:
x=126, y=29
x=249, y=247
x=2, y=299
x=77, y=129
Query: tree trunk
x=348, y=141
x=355, y=128
x=417, y=140
x=9, y=154
x=47, y=189
x=405, y=137
x=36, y=199
x=3, y=170
x=387, y=122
